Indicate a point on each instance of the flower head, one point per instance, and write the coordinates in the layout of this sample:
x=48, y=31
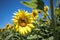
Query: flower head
x=23, y=22
x=8, y=26
x=46, y=8
x=3, y=29
x=34, y=14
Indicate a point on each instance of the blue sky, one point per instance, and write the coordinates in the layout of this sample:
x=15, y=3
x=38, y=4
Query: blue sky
x=8, y=7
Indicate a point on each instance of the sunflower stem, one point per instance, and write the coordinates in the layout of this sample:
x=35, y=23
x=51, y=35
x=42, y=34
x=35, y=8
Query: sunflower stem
x=53, y=21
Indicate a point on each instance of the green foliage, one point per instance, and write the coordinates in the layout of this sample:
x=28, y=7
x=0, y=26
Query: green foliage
x=41, y=31
x=10, y=35
x=35, y=4
x=57, y=12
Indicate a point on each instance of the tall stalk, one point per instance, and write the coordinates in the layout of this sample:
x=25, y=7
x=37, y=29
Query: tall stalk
x=53, y=20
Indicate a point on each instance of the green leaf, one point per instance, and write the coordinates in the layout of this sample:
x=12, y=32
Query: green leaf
x=34, y=4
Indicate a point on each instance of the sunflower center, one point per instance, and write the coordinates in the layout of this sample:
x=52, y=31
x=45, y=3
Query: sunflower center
x=34, y=14
x=22, y=22
x=46, y=9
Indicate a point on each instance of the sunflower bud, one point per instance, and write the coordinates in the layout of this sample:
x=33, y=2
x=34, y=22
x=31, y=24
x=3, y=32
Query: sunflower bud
x=46, y=8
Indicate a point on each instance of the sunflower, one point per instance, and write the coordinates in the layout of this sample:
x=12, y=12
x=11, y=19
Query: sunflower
x=23, y=22
x=34, y=14
x=3, y=29
x=46, y=8
x=8, y=26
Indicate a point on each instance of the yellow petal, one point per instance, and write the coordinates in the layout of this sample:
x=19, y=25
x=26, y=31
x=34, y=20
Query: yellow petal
x=25, y=30
x=20, y=30
x=14, y=16
x=13, y=19
x=18, y=10
x=14, y=13
x=31, y=25
x=28, y=29
x=17, y=26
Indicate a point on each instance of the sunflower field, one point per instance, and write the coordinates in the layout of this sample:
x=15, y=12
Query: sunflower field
x=29, y=26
